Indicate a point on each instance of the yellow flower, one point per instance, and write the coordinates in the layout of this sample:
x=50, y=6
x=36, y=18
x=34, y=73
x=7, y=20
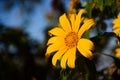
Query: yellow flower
x=117, y=52
x=68, y=37
x=116, y=27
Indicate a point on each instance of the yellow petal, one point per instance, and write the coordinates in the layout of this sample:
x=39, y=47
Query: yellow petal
x=55, y=39
x=116, y=21
x=85, y=46
x=118, y=42
x=64, y=22
x=116, y=26
x=72, y=58
x=57, y=32
x=64, y=59
x=72, y=20
x=54, y=47
x=58, y=55
x=79, y=19
x=117, y=52
x=117, y=31
x=117, y=55
x=51, y=40
x=87, y=25
x=118, y=15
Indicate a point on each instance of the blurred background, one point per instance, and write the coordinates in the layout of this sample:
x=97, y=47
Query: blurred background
x=23, y=35
x=24, y=26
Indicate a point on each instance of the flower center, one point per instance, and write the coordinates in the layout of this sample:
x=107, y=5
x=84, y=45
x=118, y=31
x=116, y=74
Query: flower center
x=71, y=39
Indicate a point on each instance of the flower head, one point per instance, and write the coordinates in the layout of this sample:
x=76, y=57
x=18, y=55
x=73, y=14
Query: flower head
x=116, y=27
x=67, y=38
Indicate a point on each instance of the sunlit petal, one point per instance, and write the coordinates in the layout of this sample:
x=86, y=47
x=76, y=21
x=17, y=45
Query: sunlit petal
x=116, y=21
x=79, y=19
x=54, y=47
x=58, y=55
x=85, y=46
x=72, y=58
x=55, y=39
x=51, y=40
x=64, y=22
x=72, y=20
x=117, y=52
x=88, y=23
x=116, y=26
x=57, y=32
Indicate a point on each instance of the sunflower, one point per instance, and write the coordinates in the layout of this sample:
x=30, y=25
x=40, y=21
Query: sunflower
x=116, y=27
x=67, y=38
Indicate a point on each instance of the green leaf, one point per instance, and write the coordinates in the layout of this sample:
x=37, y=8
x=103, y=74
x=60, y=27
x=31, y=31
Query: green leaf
x=86, y=34
x=89, y=9
x=100, y=4
x=64, y=78
x=109, y=2
x=86, y=77
x=65, y=74
x=114, y=7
